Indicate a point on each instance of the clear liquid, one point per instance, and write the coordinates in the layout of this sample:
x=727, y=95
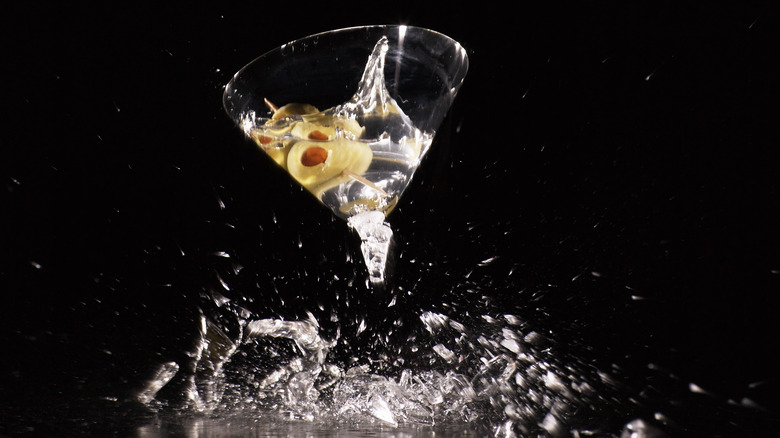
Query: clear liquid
x=378, y=133
x=392, y=166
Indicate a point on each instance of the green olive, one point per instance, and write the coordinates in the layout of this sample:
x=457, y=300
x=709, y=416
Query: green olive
x=314, y=163
x=319, y=149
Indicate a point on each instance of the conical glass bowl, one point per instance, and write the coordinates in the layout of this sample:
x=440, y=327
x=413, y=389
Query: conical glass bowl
x=349, y=114
x=423, y=71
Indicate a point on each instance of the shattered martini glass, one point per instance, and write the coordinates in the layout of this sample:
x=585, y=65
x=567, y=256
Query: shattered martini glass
x=349, y=114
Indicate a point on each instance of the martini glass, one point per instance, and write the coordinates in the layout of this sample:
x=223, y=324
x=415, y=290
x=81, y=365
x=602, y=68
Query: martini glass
x=349, y=114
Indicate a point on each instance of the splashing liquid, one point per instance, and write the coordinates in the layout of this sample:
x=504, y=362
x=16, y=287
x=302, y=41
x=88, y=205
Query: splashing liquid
x=357, y=158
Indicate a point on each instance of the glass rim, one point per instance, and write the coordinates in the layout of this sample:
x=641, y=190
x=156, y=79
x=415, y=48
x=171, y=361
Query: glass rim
x=228, y=86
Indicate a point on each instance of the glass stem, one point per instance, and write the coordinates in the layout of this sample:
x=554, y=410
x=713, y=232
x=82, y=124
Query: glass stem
x=376, y=236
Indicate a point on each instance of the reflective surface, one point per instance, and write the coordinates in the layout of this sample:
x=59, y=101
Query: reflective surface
x=591, y=240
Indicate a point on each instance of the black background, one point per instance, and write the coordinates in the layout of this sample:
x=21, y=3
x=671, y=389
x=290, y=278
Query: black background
x=597, y=153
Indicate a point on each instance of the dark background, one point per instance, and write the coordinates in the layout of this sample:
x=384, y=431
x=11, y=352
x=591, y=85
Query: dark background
x=600, y=154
